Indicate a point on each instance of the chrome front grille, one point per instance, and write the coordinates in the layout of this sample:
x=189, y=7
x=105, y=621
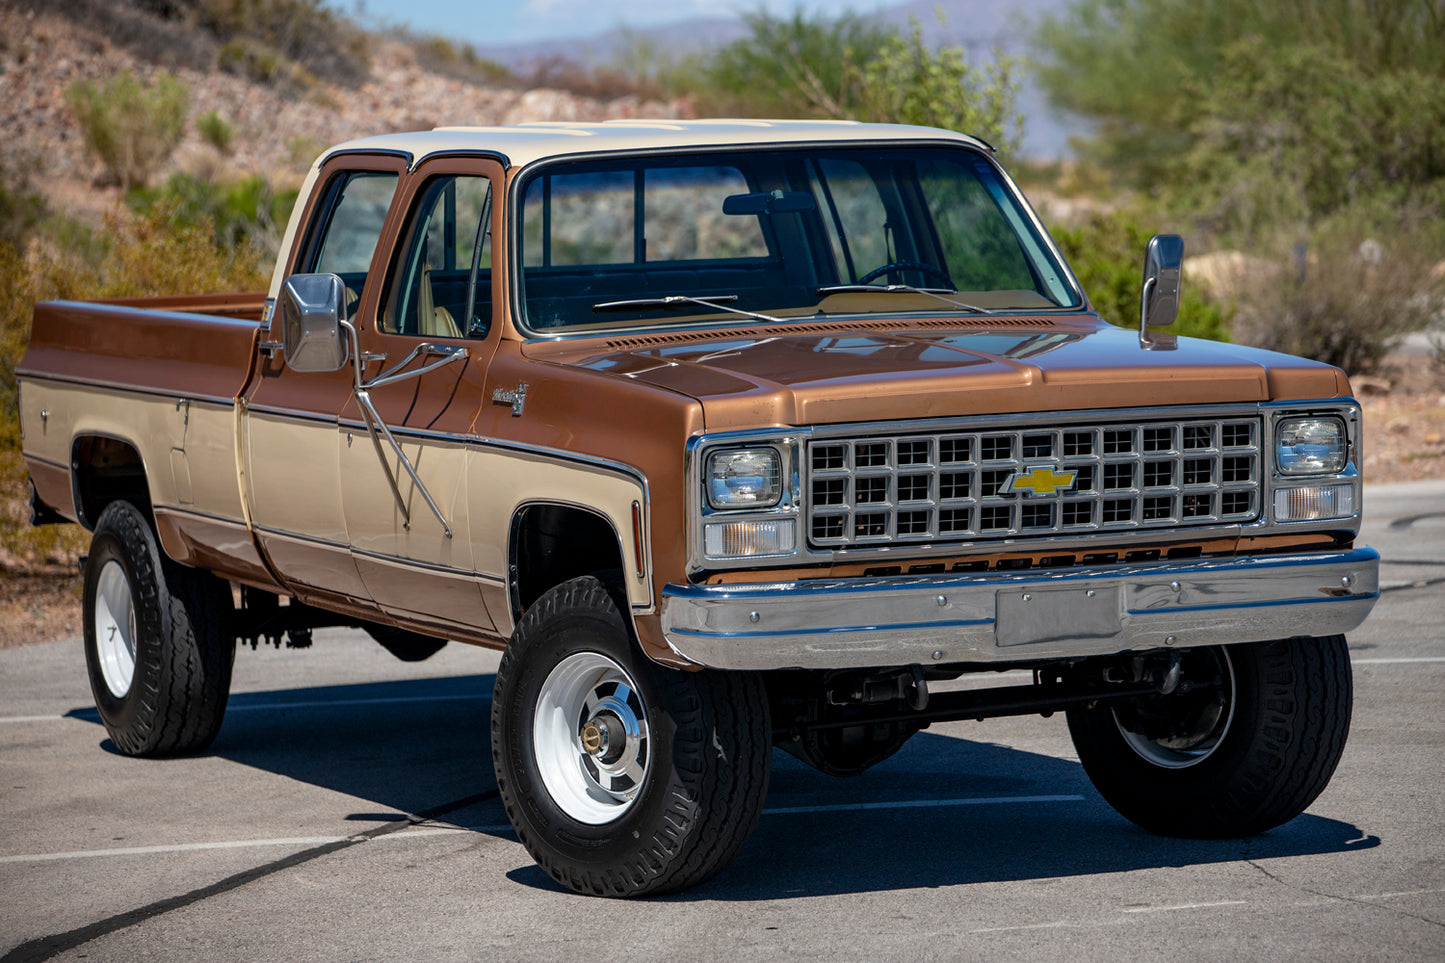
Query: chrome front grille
x=1031, y=481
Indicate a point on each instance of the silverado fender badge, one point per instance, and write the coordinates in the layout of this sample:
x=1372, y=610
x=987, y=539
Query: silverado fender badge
x=1040, y=481
x=516, y=397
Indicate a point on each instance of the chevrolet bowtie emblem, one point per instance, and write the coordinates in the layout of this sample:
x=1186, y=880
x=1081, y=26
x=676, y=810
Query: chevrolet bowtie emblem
x=1040, y=481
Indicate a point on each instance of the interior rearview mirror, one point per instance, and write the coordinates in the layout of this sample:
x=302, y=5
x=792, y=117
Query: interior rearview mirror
x=312, y=308
x=777, y=202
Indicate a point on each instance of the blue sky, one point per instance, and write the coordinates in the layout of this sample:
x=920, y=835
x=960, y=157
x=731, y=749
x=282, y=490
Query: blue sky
x=521, y=21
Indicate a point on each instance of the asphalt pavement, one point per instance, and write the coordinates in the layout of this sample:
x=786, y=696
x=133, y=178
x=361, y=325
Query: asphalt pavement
x=347, y=811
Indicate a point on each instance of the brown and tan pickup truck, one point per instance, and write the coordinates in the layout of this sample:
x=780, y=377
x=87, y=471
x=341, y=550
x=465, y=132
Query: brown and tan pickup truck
x=731, y=435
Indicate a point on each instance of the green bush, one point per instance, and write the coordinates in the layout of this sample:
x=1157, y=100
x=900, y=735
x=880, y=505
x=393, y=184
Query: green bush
x=131, y=127
x=21, y=209
x=266, y=36
x=853, y=67
x=248, y=210
x=803, y=66
x=909, y=83
x=216, y=130
x=154, y=254
x=1107, y=255
x=257, y=61
x=1339, y=299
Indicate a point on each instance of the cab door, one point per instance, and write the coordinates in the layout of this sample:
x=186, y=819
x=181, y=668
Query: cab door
x=410, y=536
x=290, y=419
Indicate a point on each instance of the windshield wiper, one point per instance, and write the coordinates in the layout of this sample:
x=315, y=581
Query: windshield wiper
x=937, y=293
x=719, y=301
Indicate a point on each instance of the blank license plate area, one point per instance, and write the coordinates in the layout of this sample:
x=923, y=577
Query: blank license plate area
x=1030, y=616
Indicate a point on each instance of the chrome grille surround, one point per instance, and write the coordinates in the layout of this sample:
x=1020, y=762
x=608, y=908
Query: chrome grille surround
x=1003, y=480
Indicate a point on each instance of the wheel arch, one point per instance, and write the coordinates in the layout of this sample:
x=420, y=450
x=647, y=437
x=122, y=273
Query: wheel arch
x=105, y=468
x=551, y=541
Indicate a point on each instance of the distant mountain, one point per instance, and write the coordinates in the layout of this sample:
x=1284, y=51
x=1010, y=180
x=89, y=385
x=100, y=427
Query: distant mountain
x=978, y=26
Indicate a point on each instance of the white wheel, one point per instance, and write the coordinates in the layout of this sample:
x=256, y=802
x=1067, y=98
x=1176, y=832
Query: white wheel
x=159, y=641
x=591, y=737
x=622, y=777
x=1245, y=740
x=115, y=628
x=1196, y=729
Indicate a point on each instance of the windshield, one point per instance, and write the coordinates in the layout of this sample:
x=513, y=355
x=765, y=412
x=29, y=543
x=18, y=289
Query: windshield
x=707, y=237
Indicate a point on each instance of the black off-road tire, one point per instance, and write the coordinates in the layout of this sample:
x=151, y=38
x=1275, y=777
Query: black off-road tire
x=184, y=643
x=708, y=755
x=1292, y=700
x=406, y=646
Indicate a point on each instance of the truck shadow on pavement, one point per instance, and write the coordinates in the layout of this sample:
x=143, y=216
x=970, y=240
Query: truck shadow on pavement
x=952, y=811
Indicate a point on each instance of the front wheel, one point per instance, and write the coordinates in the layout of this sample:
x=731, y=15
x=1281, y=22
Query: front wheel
x=621, y=777
x=1249, y=739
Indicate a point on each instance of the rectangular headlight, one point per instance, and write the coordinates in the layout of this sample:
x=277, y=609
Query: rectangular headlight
x=1310, y=446
x=744, y=478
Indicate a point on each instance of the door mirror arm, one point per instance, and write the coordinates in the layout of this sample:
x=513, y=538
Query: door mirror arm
x=376, y=427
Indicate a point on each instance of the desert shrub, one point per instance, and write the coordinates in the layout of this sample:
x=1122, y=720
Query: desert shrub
x=256, y=61
x=444, y=57
x=1339, y=299
x=249, y=210
x=216, y=130
x=801, y=66
x=1107, y=255
x=856, y=68
x=131, y=127
x=21, y=208
x=153, y=254
x=23, y=282
x=908, y=82
x=302, y=32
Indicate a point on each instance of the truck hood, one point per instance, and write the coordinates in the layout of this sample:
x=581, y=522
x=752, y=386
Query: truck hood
x=821, y=374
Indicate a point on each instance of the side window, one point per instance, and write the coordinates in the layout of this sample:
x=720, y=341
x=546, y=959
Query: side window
x=356, y=210
x=444, y=283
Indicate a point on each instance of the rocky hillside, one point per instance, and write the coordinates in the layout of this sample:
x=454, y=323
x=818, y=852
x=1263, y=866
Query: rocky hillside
x=278, y=131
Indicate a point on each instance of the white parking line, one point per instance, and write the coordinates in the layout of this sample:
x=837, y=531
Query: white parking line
x=174, y=848
x=1408, y=892
x=1410, y=661
x=1181, y=906
x=273, y=706
x=919, y=804
x=499, y=828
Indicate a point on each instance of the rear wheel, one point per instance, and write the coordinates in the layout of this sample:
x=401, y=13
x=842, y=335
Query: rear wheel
x=1247, y=742
x=621, y=777
x=159, y=644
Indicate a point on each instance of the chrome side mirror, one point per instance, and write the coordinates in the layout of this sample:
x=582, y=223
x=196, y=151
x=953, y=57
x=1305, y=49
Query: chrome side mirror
x=312, y=308
x=1159, y=301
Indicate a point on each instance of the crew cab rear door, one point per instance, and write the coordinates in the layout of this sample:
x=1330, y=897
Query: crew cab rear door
x=291, y=419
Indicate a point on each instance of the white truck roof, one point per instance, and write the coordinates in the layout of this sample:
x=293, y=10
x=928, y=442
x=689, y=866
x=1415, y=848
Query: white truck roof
x=524, y=143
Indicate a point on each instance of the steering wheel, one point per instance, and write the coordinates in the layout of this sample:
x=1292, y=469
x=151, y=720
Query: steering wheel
x=920, y=266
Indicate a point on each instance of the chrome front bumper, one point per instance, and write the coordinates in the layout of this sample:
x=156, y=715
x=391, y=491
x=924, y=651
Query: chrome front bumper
x=1010, y=617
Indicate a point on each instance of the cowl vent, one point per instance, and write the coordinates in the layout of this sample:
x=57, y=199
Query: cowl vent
x=894, y=326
